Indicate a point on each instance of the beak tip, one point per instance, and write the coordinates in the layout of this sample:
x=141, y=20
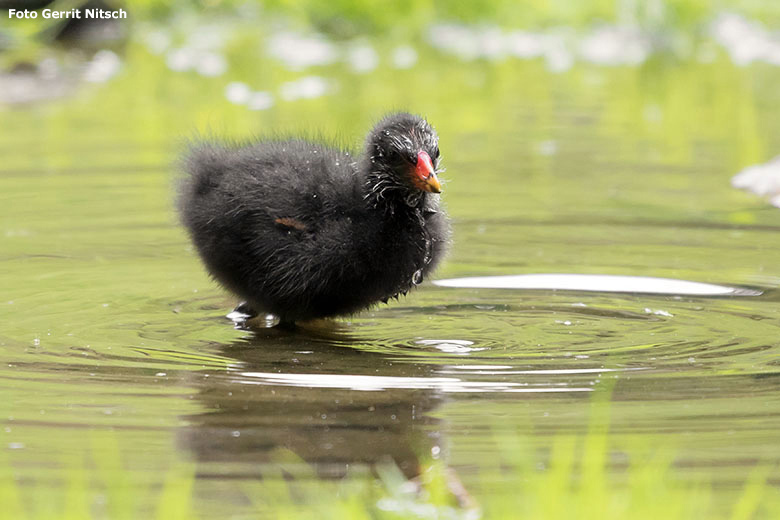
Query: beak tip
x=433, y=184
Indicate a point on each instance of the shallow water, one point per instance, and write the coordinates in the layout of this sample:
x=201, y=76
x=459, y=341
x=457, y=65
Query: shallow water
x=110, y=323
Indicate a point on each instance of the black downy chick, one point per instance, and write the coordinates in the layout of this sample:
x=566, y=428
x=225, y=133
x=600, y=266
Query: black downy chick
x=302, y=230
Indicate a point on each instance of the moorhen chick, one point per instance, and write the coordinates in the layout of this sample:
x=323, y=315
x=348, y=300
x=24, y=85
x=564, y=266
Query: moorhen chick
x=303, y=230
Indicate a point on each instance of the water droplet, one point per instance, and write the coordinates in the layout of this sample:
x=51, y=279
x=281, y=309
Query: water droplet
x=428, y=251
x=271, y=320
x=417, y=277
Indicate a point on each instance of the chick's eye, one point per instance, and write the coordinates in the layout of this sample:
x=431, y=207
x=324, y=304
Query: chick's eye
x=397, y=155
x=436, y=153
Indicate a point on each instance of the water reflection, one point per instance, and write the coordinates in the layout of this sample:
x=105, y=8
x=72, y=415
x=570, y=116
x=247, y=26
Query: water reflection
x=299, y=391
x=600, y=283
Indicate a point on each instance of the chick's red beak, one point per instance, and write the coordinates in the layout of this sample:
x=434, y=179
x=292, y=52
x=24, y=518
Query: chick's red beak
x=424, y=176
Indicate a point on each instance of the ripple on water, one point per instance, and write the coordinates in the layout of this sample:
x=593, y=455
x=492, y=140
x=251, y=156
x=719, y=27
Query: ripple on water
x=369, y=383
x=565, y=334
x=599, y=283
